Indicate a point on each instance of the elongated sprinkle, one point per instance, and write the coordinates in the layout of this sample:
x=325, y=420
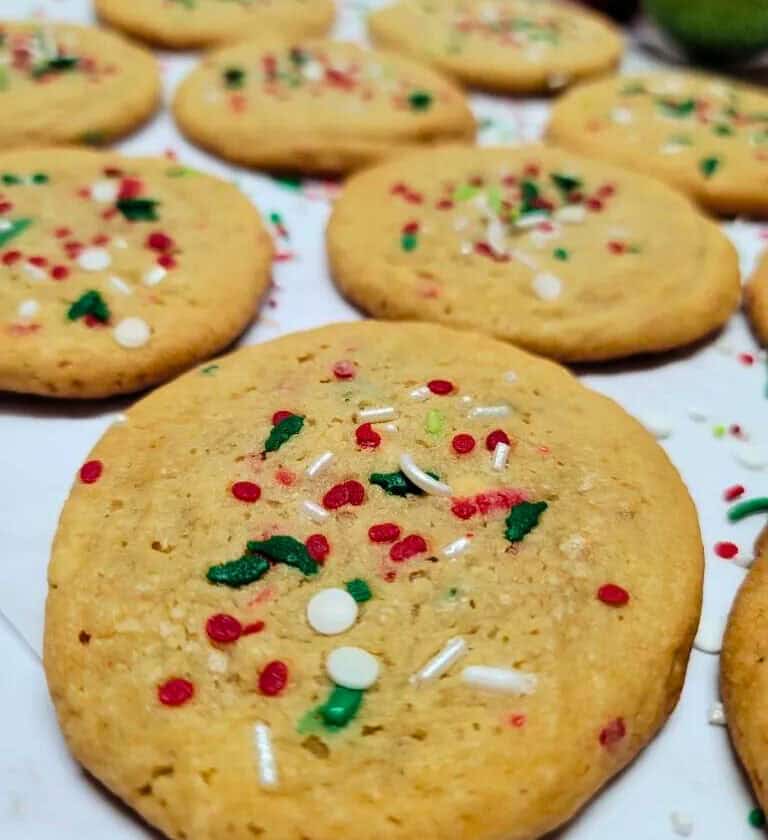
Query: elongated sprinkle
x=522, y=519
x=265, y=755
x=422, y=479
x=341, y=707
x=283, y=432
x=237, y=573
x=453, y=650
x=747, y=508
x=501, y=680
x=283, y=549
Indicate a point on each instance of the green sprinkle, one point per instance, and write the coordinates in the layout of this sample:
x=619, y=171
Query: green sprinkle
x=670, y=108
x=283, y=432
x=341, y=707
x=723, y=130
x=464, y=192
x=93, y=138
x=435, y=422
x=633, y=89
x=718, y=431
x=90, y=303
x=453, y=592
x=747, y=508
x=756, y=818
x=237, y=573
x=359, y=590
x=138, y=209
x=409, y=241
x=709, y=166
x=290, y=182
x=530, y=194
x=561, y=254
x=16, y=228
x=59, y=64
x=286, y=550
x=40, y=178
x=566, y=183
x=209, y=369
x=420, y=100
x=9, y=179
x=495, y=199
x=298, y=56
x=522, y=519
x=397, y=483
x=234, y=77
x=275, y=218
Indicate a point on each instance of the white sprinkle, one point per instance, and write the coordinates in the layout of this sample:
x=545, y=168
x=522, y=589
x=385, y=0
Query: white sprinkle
x=557, y=80
x=377, y=415
x=352, y=667
x=119, y=242
x=709, y=638
x=717, y=714
x=421, y=393
x=119, y=285
x=154, y=275
x=496, y=235
x=390, y=427
x=28, y=308
x=313, y=70
x=457, y=547
x=262, y=741
x=331, y=611
x=682, y=824
x=119, y=420
x=34, y=272
x=466, y=248
x=218, y=662
x=500, y=456
x=319, y=464
x=697, y=415
x=421, y=479
x=466, y=399
x=530, y=220
x=622, y=116
x=501, y=680
x=657, y=424
x=751, y=455
x=672, y=148
x=314, y=511
x=744, y=561
x=94, y=259
x=5, y=224
x=547, y=286
x=460, y=222
x=571, y=214
x=510, y=376
x=453, y=650
x=490, y=411
x=132, y=333
x=105, y=192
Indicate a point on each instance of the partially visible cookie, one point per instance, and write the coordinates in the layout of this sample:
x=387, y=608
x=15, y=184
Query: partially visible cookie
x=318, y=106
x=61, y=83
x=756, y=300
x=514, y=46
x=183, y=24
x=117, y=273
x=568, y=257
x=705, y=135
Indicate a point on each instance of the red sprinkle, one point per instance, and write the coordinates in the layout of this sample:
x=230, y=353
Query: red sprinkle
x=411, y=227
x=517, y=721
x=246, y=491
x=91, y=471
x=346, y=493
x=344, y=369
x=273, y=678
x=61, y=232
x=5, y=206
x=616, y=247
x=613, y=733
x=606, y=191
x=158, y=241
x=167, y=261
x=59, y=272
x=613, y=595
x=726, y=550
x=495, y=438
x=462, y=444
x=285, y=477
x=130, y=188
x=10, y=257
x=386, y=532
x=356, y=492
x=223, y=628
x=441, y=387
x=412, y=545
x=445, y=204
x=595, y=204
x=281, y=415
x=746, y=358
x=255, y=627
x=40, y=262
x=175, y=692
x=464, y=509
x=367, y=436
x=318, y=547
x=735, y=492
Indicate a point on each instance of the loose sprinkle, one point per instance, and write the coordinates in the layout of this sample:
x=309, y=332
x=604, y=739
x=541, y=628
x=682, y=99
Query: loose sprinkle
x=352, y=667
x=265, y=756
x=756, y=818
x=744, y=509
x=359, y=590
x=377, y=415
x=500, y=680
x=717, y=714
x=489, y=411
x=682, y=824
x=332, y=611
x=223, y=628
x=246, y=491
x=457, y=547
x=132, y=333
x=463, y=444
x=500, y=456
x=319, y=464
x=175, y=692
x=734, y=492
x=91, y=471
x=314, y=511
x=658, y=425
x=726, y=550
x=453, y=650
x=421, y=479
x=613, y=595
x=386, y=532
x=751, y=456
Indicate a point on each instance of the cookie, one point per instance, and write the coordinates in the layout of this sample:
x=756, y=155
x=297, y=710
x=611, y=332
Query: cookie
x=317, y=107
x=756, y=300
x=705, y=135
x=512, y=46
x=66, y=84
x=743, y=681
x=185, y=24
x=113, y=275
x=568, y=257
x=302, y=589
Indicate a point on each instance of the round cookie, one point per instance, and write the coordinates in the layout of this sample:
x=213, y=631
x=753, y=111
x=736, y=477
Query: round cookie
x=513, y=46
x=568, y=257
x=61, y=83
x=185, y=24
x=112, y=272
x=197, y=592
x=705, y=135
x=756, y=300
x=317, y=107
x=743, y=679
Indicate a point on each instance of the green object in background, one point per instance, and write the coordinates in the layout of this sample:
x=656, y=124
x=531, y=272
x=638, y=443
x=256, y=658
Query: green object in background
x=715, y=30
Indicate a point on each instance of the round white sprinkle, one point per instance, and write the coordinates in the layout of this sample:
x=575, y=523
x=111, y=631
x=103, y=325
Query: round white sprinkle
x=119, y=285
x=744, y=561
x=453, y=650
x=547, y=286
x=154, y=275
x=94, y=259
x=657, y=424
x=501, y=680
x=510, y=376
x=500, y=457
x=331, y=611
x=490, y=411
x=313, y=70
x=421, y=393
x=571, y=214
x=682, y=824
x=352, y=667
x=28, y=308
x=132, y=333
x=421, y=479
x=265, y=756
x=717, y=714
x=622, y=116
x=377, y=415
x=34, y=272
x=105, y=192
x=751, y=455
x=319, y=464
x=457, y=547
x=314, y=511
x=5, y=224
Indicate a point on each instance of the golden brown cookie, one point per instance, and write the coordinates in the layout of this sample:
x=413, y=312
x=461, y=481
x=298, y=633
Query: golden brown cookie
x=569, y=257
x=254, y=573
x=756, y=300
x=61, y=83
x=705, y=135
x=319, y=106
x=113, y=275
x=183, y=24
x=514, y=46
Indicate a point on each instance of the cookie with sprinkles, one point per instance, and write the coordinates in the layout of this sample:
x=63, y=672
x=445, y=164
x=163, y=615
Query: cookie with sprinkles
x=185, y=24
x=566, y=256
x=68, y=84
x=293, y=580
x=756, y=300
x=318, y=106
x=705, y=135
x=112, y=272
x=513, y=46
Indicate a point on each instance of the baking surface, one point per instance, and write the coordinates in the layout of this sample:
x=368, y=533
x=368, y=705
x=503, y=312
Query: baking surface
x=710, y=401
